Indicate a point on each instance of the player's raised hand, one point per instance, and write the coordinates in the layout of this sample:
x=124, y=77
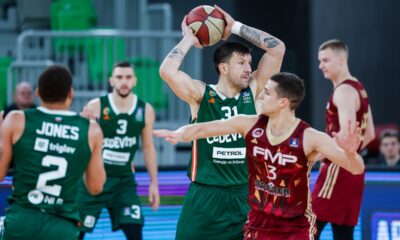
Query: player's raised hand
x=351, y=140
x=188, y=32
x=229, y=23
x=170, y=136
x=154, y=196
x=88, y=113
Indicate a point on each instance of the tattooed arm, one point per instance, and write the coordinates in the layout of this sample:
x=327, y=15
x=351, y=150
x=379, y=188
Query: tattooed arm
x=270, y=62
x=189, y=90
x=261, y=39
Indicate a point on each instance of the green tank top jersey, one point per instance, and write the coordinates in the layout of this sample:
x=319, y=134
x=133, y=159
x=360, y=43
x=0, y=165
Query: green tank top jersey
x=221, y=160
x=49, y=159
x=121, y=135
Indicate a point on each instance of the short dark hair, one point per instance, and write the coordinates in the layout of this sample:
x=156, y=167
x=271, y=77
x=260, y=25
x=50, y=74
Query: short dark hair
x=389, y=132
x=224, y=52
x=54, y=84
x=334, y=44
x=122, y=64
x=290, y=86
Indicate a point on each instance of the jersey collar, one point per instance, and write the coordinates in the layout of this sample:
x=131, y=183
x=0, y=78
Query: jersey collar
x=220, y=95
x=56, y=112
x=115, y=109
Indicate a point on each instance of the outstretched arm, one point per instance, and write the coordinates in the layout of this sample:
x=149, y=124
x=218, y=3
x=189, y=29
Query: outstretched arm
x=187, y=89
x=270, y=62
x=150, y=157
x=343, y=152
x=238, y=124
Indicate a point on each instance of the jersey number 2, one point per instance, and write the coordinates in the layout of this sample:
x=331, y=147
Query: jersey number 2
x=60, y=172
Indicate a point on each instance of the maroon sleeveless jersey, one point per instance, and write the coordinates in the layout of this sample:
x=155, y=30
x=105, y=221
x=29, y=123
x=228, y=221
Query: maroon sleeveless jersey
x=337, y=194
x=279, y=175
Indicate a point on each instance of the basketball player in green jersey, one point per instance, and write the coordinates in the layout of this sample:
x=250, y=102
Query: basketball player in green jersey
x=215, y=206
x=51, y=149
x=124, y=118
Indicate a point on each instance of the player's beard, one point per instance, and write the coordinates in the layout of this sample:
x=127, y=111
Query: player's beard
x=123, y=95
x=239, y=83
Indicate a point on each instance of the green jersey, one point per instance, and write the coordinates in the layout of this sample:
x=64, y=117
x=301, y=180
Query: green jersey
x=121, y=135
x=49, y=159
x=221, y=160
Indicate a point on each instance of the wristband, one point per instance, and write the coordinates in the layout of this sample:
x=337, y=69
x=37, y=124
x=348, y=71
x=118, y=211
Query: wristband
x=236, y=27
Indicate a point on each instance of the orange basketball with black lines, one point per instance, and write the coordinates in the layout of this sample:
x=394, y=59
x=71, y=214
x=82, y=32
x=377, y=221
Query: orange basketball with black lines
x=207, y=23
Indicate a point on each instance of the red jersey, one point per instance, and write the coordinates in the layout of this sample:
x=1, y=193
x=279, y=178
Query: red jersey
x=337, y=194
x=279, y=175
x=332, y=117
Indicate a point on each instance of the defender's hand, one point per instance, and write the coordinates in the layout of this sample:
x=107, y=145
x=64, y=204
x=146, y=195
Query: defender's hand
x=170, y=136
x=351, y=141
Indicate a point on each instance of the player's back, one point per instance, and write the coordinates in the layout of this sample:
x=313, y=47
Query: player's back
x=50, y=158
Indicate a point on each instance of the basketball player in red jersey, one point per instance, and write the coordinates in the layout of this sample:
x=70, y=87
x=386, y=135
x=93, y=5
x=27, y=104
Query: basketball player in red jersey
x=281, y=150
x=337, y=194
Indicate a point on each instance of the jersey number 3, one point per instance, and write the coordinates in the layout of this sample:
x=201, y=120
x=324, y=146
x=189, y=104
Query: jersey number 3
x=123, y=124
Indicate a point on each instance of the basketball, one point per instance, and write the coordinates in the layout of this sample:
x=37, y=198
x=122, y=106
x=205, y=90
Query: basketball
x=207, y=23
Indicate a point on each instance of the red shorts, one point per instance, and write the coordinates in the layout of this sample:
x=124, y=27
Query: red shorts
x=337, y=195
x=266, y=227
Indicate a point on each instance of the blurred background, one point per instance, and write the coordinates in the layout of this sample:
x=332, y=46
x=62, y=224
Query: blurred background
x=88, y=36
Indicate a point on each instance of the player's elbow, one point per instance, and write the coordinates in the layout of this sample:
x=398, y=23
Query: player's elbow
x=166, y=72
x=281, y=48
x=278, y=50
x=3, y=171
x=95, y=189
x=95, y=186
x=371, y=136
x=359, y=169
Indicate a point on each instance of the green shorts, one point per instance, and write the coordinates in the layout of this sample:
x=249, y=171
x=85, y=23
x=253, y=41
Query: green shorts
x=119, y=197
x=210, y=212
x=28, y=223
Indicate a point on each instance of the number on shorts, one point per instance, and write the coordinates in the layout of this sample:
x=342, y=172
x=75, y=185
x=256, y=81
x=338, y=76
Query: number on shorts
x=135, y=212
